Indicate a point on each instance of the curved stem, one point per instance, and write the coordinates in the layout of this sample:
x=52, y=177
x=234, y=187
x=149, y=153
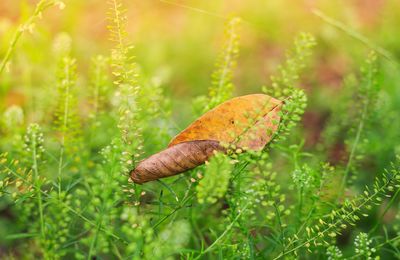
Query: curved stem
x=40, y=7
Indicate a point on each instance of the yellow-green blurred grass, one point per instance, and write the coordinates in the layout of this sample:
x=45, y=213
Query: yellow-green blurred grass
x=178, y=41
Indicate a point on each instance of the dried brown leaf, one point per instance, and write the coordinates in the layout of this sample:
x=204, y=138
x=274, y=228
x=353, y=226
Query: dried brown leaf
x=173, y=160
x=246, y=122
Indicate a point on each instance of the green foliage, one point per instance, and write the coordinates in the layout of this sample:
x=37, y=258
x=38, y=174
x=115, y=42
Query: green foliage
x=124, y=69
x=126, y=96
x=362, y=245
x=285, y=83
x=66, y=115
x=364, y=108
x=355, y=116
x=348, y=214
x=75, y=122
x=302, y=177
x=215, y=182
x=334, y=253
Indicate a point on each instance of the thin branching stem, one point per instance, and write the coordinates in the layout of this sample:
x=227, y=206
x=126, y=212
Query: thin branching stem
x=64, y=126
x=356, y=35
x=41, y=6
x=38, y=187
x=228, y=228
x=388, y=206
x=360, y=128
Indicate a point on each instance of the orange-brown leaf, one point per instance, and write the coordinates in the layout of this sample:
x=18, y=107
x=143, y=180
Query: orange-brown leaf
x=246, y=121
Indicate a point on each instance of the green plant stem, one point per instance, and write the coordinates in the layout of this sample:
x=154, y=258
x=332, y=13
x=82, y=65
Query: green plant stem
x=228, y=61
x=195, y=9
x=64, y=127
x=182, y=204
x=356, y=35
x=223, y=233
x=305, y=221
x=60, y=166
x=240, y=171
x=97, y=92
x=282, y=235
x=119, y=30
x=106, y=231
x=300, y=194
x=353, y=151
x=356, y=140
x=38, y=188
x=94, y=240
x=97, y=75
x=169, y=189
x=104, y=210
x=40, y=7
x=116, y=251
x=388, y=206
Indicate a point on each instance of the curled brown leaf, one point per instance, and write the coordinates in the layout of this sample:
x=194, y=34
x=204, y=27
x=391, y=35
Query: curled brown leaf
x=174, y=160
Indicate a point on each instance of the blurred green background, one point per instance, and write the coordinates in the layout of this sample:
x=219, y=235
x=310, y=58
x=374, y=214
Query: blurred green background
x=178, y=41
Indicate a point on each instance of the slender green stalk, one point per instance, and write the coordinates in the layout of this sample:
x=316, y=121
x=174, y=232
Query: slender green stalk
x=64, y=126
x=94, y=240
x=300, y=207
x=360, y=128
x=121, y=59
x=97, y=83
x=195, y=9
x=104, y=210
x=222, y=85
x=25, y=26
x=356, y=35
x=228, y=228
x=388, y=206
x=181, y=205
x=281, y=229
x=38, y=188
x=353, y=149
